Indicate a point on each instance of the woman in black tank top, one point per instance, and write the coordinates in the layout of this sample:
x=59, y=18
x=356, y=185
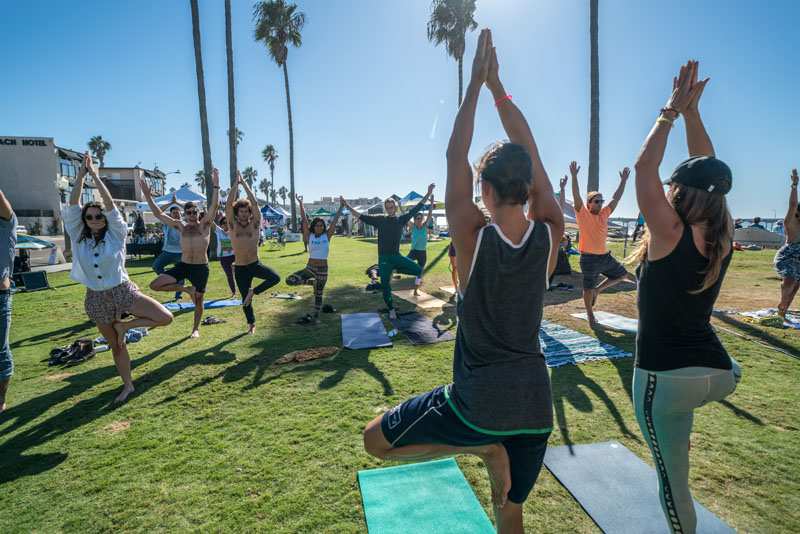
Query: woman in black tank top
x=685, y=252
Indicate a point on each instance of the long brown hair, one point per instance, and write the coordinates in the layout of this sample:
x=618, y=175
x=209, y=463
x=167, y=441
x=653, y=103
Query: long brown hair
x=696, y=206
x=86, y=233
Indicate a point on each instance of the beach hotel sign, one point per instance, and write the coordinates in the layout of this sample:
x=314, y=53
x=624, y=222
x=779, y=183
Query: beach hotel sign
x=6, y=141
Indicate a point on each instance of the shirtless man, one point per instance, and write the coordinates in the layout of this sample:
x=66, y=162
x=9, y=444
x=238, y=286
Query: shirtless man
x=244, y=230
x=195, y=237
x=787, y=260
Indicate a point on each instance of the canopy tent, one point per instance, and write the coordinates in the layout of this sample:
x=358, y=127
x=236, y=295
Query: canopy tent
x=273, y=214
x=321, y=212
x=411, y=199
x=183, y=195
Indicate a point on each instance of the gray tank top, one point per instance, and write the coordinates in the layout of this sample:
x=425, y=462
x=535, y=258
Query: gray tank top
x=500, y=381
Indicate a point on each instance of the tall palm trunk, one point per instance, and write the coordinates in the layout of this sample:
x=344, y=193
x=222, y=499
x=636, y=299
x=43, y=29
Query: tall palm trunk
x=594, y=126
x=201, y=98
x=291, y=145
x=271, y=183
x=232, y=141
x=460, y=79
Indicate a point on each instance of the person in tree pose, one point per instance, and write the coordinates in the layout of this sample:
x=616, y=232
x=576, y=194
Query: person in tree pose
x=8, y=236
x=596, y=260
x=787, y=259
x=245, y=231
x=318, y=241
x=195, y=233
x=680, y=364
x=98, y=236
x=390, y=230
x=499, y=406
x=419, y=242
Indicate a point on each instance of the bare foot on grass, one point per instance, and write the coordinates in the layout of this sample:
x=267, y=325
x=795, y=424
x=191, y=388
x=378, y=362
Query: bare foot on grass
x=497, y=464
x=195, y=334
x=251, y=329
x=123, y=395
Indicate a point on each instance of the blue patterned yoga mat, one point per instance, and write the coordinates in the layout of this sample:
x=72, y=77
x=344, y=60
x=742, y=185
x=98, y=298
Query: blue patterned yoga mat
x=562, y=346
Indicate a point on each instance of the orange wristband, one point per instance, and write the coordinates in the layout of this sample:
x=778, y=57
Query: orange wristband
x=501, y=100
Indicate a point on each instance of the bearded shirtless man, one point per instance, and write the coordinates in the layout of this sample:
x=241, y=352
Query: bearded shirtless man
x=244, y=229
x=195, y=236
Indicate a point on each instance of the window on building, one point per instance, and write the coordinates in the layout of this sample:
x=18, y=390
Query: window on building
x=67, y=168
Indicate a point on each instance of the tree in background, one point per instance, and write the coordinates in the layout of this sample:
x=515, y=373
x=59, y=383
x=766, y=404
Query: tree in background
x=200, y=181
x=201, y=100
x=233, y=140
x=263, y=186
x=282, y=193
x=448, y=25
x=250, y=175
x=99, y=146
x=278, y=24
x=594, y=121
x=270, y=155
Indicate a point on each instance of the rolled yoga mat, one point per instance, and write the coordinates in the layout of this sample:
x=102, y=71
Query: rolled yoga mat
x=613, y=321
x=419, y=329
x=364, y=331
x=208, y=304
x=421, y=498
x=618, y=490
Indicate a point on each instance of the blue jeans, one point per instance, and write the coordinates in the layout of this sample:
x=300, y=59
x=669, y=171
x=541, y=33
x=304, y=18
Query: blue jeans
x=164, y=260
x=6, y=361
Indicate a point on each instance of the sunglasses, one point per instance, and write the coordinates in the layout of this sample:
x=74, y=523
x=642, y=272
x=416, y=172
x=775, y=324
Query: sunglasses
x=597, y=201
x=190, y=212
x=90, y=217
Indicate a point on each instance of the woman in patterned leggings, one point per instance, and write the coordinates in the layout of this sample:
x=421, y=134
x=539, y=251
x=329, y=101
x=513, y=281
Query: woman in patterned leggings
x=317, y=238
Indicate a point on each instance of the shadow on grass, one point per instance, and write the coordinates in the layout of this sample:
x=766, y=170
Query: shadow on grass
x=753, y=331
x=260, y=369
x=68, y=332
x=14, y=463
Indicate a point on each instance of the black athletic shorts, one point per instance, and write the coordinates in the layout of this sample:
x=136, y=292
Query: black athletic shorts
x=429, y=418
x=196, y=273
x=420, y=256
x=593, y=265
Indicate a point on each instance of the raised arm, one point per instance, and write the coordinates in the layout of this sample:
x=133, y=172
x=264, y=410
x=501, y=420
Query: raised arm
x=697, y=138
x=792, y=200
x=77, y=187
x=463, y=216
x=577, y=200
x=623, y=179
x=562, y=184
x=6, y=212
x=430, y=212
x=413, y=211
x=233, y=196
x=108, y=201
x=253, y=203
x=335, y=221
x=157, y=213
x=213, y=206
x=305, y=225
x=661, y=218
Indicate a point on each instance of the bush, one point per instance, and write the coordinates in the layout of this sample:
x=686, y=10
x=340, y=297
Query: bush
x=55, y=226
x=35, y=228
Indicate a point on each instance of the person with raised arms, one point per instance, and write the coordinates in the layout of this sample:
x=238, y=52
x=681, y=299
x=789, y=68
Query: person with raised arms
x=419, y=242
x=787, y=259
x=98, y=235
x=680, y=364
x=499, y=405
x=318, y=241
x=244, y=231
x=592, y=219
x=8, y=238
x=390, y=230
x=171, y=245
x=195, y=233
x=225, y=253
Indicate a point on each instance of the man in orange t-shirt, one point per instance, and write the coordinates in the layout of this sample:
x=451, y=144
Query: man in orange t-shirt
x=592, y=220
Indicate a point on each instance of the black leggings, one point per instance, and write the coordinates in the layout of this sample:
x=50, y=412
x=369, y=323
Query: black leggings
x=244, y=278
x=316, y=274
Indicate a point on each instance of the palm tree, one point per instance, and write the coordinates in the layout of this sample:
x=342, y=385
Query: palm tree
x=594, y=121
x=448, y=24
x=250, y=175
x=273, y=195
x=201, y=98
x=99, y=147
x=263, y=186
x=282, y=193
x=233, y=140
x=270, y=155
x=278, y=24
x=238, y=137
x=200, y=181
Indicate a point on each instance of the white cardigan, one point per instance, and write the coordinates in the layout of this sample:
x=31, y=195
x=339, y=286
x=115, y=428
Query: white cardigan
x=98, y=266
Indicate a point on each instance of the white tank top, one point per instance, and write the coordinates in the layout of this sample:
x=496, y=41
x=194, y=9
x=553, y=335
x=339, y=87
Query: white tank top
x=318, y=247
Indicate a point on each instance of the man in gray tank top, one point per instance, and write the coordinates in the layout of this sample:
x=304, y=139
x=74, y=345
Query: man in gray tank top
x=499, y=405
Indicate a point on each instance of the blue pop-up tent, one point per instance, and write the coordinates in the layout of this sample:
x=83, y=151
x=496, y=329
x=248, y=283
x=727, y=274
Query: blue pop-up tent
x=273, y=215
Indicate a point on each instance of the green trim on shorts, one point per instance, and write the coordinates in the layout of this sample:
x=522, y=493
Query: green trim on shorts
x=492, y=432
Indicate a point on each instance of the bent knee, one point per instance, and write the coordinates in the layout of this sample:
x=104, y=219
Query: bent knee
x=375, y=443
x=166, y=320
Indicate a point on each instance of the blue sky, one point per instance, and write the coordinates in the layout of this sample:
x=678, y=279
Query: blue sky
x=374, y=101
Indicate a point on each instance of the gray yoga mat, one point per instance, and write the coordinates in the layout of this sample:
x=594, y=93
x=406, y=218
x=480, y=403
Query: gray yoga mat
x=618, y=490
x=364, y=331
x=420, y=330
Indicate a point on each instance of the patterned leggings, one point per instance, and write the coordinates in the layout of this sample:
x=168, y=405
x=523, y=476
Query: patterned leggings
x=311, y=274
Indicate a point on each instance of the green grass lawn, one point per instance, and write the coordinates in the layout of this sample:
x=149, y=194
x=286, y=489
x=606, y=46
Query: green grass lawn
x=218, y=438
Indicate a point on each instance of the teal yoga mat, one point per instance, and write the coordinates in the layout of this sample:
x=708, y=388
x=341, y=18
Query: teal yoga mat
x=424, y=498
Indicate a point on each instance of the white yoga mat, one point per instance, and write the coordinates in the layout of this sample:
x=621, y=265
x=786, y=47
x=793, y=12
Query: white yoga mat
x=612, y=320
x=424, y=300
